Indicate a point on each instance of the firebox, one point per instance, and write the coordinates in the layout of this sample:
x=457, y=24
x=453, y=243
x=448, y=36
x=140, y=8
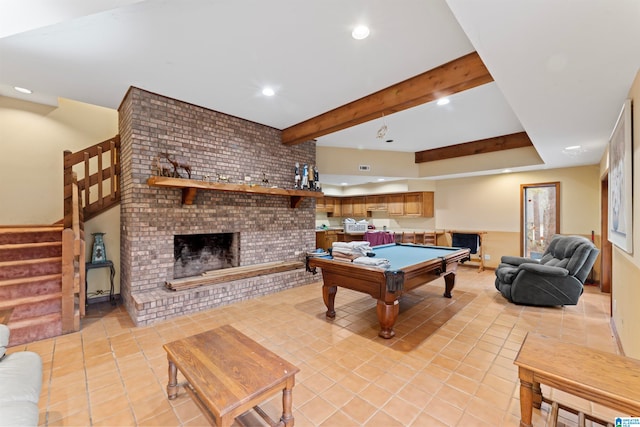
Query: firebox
x=195, y=254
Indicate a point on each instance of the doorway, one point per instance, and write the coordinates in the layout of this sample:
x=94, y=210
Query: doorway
x=539, y=217
x=606, y=248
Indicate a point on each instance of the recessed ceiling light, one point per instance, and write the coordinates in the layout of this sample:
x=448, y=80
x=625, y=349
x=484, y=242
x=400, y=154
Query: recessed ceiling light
x=22, y=89
x=573, y=147
x=380, y=179
x=344, y=183
x=360, y=32
x=443, y=101
x=267, y=91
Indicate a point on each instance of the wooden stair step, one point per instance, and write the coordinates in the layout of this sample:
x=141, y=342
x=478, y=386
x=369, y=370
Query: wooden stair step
x=30, y=267
x=33, y=234
x=19, y=251
x=30, y=279
x=32, y=329
x=41, y=308
x=23, y=262
x=32, y=299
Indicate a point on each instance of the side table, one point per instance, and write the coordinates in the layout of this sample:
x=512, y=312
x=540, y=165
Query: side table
x=112, y=272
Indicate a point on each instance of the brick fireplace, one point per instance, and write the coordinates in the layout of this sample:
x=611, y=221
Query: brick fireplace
x=212, y=144
x=196, y=254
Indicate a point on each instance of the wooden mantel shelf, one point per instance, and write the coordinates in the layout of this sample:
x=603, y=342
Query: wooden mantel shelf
x=191, y=186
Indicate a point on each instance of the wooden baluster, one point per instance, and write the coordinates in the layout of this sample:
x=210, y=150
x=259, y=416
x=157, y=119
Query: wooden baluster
x=67, y=179
x=112, y=169
x=87, y=180
x=100, y=203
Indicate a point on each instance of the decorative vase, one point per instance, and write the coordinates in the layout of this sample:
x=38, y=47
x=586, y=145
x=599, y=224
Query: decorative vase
x=99, y=253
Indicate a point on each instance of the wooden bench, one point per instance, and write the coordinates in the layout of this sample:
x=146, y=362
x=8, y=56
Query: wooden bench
x=600, y=377
x=228, y=374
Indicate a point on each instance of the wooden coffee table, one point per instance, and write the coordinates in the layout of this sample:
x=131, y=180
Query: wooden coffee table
x=228, y=374
x=600, y=377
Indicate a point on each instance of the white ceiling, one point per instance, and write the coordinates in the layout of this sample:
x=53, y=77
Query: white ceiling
x=562, y=68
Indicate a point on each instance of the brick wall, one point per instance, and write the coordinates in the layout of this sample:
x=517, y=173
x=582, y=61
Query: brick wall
x=211, y=143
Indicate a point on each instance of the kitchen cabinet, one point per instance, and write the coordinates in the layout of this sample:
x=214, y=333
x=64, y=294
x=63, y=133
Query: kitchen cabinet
x=415, y=204
x=325, y=204
x=347, y=207
x=395, y=204
x=321, y=205
x=359, y=208
x=337, y=207
x=376, y=203
x=325, y=238
x=419, y=204
x=331, y=205
x=412, y=204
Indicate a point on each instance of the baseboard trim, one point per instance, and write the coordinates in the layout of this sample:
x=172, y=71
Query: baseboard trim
x=616, y=336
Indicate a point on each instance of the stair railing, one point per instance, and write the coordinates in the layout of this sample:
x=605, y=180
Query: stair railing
x=97, y=191
x=100, y=186
x=73, y=260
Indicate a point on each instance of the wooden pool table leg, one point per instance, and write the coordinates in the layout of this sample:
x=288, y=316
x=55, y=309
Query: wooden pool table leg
x=449, y=283
x=329, y=296
x=387, y=315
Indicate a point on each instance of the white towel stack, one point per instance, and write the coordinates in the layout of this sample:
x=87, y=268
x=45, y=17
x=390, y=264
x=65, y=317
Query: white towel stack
x=351, y=249
x=373, y=262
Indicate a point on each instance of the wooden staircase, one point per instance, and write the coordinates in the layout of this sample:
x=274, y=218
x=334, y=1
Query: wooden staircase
x=31, y=281
x=42, y=267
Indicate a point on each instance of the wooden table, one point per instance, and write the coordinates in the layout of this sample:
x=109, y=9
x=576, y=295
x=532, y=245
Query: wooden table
x=600, y=377
x=112, y=272
x=228, y=373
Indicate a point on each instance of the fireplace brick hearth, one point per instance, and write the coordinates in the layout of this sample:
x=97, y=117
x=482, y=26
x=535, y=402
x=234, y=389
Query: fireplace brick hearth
x=213, y=144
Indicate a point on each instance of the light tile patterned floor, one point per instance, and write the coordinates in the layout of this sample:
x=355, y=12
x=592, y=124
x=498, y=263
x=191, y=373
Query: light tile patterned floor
x=451, y=363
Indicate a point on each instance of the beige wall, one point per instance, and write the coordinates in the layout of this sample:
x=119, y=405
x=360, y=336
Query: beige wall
x=345, y=161
x=492, y=204
x=33, y=138
x=626, y=267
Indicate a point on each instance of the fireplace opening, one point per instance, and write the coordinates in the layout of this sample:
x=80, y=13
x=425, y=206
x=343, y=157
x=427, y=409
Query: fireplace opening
x=195, y=254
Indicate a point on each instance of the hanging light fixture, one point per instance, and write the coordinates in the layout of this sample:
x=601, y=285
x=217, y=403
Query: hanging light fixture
x=383, y=129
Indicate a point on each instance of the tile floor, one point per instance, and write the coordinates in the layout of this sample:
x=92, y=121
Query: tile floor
x=451, y=363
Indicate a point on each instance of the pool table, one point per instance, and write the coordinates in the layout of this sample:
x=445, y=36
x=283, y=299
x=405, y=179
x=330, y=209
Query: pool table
x=411, y=266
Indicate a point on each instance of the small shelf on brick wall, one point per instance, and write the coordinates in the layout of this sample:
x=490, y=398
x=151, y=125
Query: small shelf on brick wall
x=191, y=186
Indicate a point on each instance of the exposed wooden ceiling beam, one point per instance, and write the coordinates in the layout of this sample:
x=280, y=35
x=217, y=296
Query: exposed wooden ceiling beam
x=498, y=143
x=458, y=75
